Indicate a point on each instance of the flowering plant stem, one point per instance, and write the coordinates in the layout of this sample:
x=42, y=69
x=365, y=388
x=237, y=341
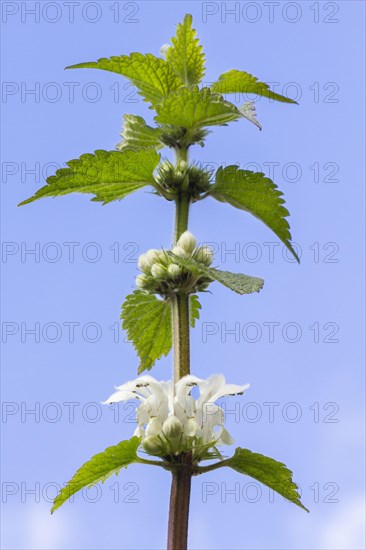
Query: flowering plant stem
x=181, y=474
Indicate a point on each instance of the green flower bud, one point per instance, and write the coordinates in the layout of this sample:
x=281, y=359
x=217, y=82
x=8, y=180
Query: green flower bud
x=179, y=251
x=172, y=427
x=158, y=271
x=151, y=256
x=187, y=241
x=153, y=428
x=204, y=255
x=142, y=281
x=174, y=270
x=143, y=262
x=181, y=168
x=152, y=445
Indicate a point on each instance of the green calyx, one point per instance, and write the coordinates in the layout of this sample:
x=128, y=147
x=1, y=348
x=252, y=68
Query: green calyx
x=171, y=180
x=178, y=137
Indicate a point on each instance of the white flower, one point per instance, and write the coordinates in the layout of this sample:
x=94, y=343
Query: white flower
x=187, y=241
x=171, y=421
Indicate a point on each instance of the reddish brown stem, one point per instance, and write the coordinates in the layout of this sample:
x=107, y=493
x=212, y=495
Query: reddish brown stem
x=179, y=508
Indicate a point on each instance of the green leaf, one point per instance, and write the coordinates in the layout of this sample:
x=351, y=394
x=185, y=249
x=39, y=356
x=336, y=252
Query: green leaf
x=137, y=134
x=238, y=282
x=186, y=55
x=153, y=76
x=194, y=310
x=196, y=108
x=257, y=194
x=99, y=468
x=268, y=471
x=148, y=323
x=233, y=82
x=248, y=112
x=109, y=175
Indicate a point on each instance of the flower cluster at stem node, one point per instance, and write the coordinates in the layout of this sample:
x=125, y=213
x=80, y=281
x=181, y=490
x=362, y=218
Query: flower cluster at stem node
x=162, y=273
x=183, y=177
x=172, y=422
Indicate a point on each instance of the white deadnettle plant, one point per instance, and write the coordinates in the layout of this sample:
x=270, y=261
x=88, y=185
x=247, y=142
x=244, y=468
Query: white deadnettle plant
x=171, y=421
x=173, y=424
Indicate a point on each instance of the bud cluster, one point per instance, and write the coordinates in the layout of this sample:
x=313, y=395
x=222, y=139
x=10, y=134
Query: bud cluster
x=178, y=137
x=162, y=273
x=172, y=179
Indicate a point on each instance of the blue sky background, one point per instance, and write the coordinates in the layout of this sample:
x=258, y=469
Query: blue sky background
x=314, y=377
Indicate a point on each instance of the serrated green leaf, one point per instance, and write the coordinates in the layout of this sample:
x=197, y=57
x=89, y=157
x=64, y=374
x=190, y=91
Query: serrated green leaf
x=148, y=323
x=153, y=76
x=186, y=55
x=194, y=310
x=137, y=134
x=99, y=468
x=196, y=108
x=257, y=194
x=268, y=471
x=109, y=175
x=238, y=282
x=234, y=81
x=248, y=112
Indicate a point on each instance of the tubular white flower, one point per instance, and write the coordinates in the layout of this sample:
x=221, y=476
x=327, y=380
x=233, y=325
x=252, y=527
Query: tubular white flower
x=171, y=421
